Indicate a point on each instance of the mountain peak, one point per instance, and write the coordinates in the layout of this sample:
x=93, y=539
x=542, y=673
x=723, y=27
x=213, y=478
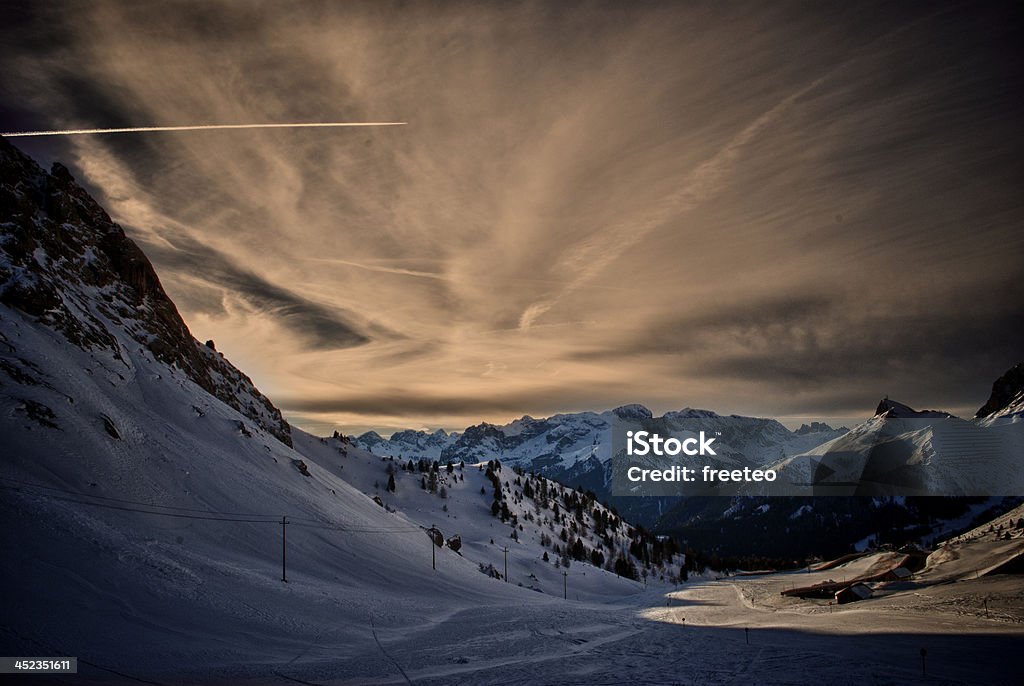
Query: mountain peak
x=814, y=427
x=632, y=411
x=891, y=409
x=692, y=413
x=1007, y=390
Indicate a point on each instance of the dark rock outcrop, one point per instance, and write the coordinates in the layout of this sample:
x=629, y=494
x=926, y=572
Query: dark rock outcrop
x=1007, y=388
x=66, y=264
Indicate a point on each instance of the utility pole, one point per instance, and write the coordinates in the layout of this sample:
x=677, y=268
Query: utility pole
x=433, y=553
x=505, y=550
x=565, y=585
x=284, y=548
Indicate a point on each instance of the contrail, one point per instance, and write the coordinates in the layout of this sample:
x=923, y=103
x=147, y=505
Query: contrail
x=383, y=269
x=201, y=127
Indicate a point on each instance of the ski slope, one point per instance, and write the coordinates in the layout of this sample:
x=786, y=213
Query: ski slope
x=159, y=551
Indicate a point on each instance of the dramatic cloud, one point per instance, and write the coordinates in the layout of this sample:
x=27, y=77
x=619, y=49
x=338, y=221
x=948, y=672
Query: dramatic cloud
x=323, y=327
x=782, y=210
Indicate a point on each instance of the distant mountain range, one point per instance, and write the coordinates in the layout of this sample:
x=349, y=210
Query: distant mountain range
x=897, y=451
x=561, y=442
x=576, y=449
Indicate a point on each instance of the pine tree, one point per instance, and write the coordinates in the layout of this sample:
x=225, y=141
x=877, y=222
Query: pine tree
x=391, y=483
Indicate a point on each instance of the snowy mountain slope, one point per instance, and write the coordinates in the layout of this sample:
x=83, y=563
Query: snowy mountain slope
x=906, y=452
x=995, y=547
x=541, y=519
x=107, y=548
x=67, y=265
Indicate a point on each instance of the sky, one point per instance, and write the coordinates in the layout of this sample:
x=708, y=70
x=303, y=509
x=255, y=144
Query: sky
x=770, y=209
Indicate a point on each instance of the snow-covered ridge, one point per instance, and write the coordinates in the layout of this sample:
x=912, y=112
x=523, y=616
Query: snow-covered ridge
x=66, y=264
